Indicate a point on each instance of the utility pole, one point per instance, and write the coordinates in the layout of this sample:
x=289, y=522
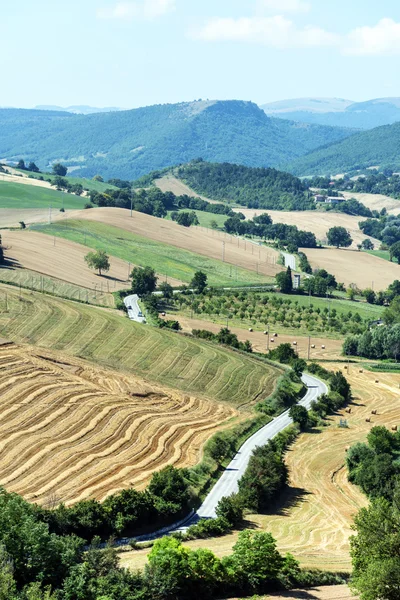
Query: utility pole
x=131, y=201
x=268, y=339
x=129, y=270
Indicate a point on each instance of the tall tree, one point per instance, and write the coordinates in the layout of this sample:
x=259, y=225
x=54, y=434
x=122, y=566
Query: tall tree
x=199, y=282
x=339, y=237
x=59, y=169
x=98, y=260
x=144, y=281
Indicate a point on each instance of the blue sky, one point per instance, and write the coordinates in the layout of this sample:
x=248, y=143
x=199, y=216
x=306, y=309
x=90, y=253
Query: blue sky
x=141, y=52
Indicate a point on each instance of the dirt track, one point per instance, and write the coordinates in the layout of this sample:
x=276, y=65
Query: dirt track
x=70, y=431
x=195, y=239
x=351, y=266
x=64, y=260
x=169, y=183
x=376, y=202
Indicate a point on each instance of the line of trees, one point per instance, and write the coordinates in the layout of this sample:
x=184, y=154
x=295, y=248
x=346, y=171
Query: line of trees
x=263, y=227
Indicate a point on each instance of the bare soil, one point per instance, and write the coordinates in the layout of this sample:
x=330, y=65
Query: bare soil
x=350, y=266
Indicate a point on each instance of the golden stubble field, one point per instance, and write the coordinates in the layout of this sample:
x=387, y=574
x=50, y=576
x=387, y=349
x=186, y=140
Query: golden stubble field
x=317, y=222
x=314, y=518
x=353, y=267
x=70, y=430
x=63, y=259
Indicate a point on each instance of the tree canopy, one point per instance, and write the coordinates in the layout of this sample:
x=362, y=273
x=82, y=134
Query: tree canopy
x=144, y=280
x=98, y=260
x=339, y=237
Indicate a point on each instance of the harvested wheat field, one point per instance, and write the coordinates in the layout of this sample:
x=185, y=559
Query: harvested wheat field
x=63, y=259
x=314, y=518
x=318, y=222
x=169, y=183
x=11, y=217
x=375, y=202
x=332, y=350
x=200, y=240
x=351, y=266
x=110, y=339
x=332, y=592
x=71, y=431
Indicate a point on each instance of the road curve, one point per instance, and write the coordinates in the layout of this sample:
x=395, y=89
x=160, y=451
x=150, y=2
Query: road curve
x=228, y=482
x=133, y=308
x=290, y=260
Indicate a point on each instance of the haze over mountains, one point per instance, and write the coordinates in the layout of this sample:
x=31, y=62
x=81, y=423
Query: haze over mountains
x=79, y=110
x=337, y=112
x=129, y=144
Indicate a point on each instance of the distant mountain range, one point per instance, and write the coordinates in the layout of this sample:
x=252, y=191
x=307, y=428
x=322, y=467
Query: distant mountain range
x=379, y=147
x=79, y=110
x=128, y=144
x=337, y=112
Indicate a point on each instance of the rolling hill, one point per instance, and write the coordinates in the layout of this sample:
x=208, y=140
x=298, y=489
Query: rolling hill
x=128, y=144
x=377, y=147
x=337, y=112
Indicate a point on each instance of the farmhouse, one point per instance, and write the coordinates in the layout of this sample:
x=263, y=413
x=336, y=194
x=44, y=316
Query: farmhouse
x=329, y=199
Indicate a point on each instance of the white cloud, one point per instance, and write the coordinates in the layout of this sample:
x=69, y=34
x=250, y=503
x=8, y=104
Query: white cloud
x=275, y=32
x=144, y=9
x=284, y=6
x=382, y=39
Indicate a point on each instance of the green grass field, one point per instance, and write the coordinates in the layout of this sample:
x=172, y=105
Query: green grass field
x=18, y=195
x=385, y=254
x=205, y=218
x=170, y=260
x=42, y=283
x=88, y=184
x=110, y=339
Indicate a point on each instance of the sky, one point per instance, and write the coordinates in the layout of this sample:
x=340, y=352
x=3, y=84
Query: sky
x=143, y=52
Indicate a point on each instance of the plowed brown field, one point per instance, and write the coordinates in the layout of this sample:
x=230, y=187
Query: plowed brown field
x=169, y=183
x=69, y=430
x=315, y=516
x=63, y=259
x=351, y=266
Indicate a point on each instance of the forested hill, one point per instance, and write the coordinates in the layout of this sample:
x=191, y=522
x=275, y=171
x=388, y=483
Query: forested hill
x=379, y=147
x=128, y=144
x=251, y=187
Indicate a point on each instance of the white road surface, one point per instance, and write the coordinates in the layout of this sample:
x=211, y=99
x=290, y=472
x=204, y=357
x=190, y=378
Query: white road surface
x=133, y=308
x=290, y=260
x=228, y=482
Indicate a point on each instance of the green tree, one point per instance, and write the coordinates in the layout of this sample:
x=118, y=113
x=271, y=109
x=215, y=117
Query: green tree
x=367, y=244
x=98, y=260
x=59, y=169
x=395, y=251
x=299, y=415
x=167, y=290
x=144, y=280
x=8, y=588
x=98, y=178
x=230, y=508
x=284, y=281
x=21, y=165
x=213, y=224
x=256, y=560
x=219, y=447
x=369, y=295
x=33, y=168
x=375, y=551
x=339, y=237
x=199, y=282
x=186, y=219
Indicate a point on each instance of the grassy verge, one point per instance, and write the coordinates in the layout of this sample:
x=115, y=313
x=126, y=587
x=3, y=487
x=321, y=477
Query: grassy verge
x=17, y=195
x=87, y=184
x=385, y=254
x=175, y=262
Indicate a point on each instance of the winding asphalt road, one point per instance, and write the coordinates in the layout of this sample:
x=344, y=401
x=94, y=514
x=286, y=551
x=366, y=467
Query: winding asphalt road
x=133, y=308
x=228, y=482
x=290, y=260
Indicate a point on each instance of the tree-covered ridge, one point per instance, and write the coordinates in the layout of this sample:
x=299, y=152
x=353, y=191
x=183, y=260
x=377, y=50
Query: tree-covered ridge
x=376, y=147
x=129, y=144
x=252, y=187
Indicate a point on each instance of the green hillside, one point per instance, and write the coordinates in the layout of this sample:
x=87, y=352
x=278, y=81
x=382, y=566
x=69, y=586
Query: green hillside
x=246, y=186
x=377, y=147
x=17, y=195
x=131, y=143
